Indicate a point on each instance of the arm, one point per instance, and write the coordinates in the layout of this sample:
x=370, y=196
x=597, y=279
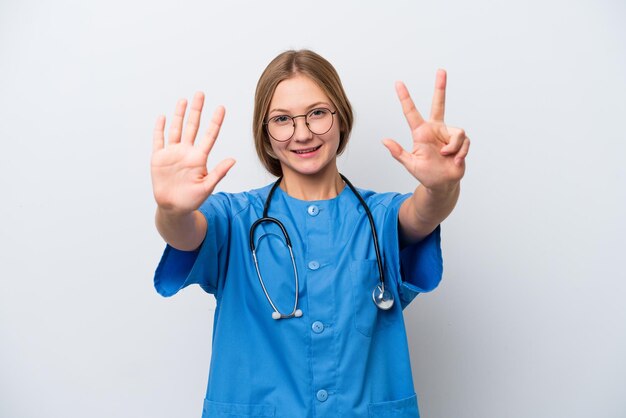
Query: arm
x=183, y=232
x=437, y=161
x=421, y=213
x=180, y=179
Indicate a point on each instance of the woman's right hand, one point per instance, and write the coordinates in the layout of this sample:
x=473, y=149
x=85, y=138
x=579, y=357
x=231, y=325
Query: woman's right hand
x=180, y=179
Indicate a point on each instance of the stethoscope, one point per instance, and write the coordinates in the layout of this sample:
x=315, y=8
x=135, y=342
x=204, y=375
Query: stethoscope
x=382, y=298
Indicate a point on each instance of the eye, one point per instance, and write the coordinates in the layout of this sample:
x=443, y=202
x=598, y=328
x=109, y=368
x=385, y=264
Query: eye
x=318, y=113
x=281, y=120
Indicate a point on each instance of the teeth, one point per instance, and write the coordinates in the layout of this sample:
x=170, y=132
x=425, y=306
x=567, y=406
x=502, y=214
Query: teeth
x=306, y=150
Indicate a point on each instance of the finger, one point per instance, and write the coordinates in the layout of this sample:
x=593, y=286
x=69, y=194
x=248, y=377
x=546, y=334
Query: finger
x=460, y=157
x=398, y=152
x=218, y=173
x=455, y=142
x=193, y=120
x=439, y=97
x=411, y=113
x=176, y=127
x=158, y=138
x=213, y=130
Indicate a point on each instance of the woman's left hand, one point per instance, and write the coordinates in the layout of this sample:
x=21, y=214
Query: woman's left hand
x=438, y=156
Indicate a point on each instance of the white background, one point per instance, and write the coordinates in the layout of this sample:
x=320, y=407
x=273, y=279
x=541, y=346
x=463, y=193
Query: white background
x=530, y=319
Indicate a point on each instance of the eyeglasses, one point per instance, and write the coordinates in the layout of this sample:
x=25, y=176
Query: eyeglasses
x=282, y=127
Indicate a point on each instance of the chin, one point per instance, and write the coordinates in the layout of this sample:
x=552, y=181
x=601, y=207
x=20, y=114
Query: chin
x=306, y=169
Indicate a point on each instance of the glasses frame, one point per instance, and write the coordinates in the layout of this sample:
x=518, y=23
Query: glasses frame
x=306, y=122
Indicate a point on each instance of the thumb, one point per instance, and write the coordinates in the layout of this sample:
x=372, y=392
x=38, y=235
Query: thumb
x=218, y=173
x=397, y=151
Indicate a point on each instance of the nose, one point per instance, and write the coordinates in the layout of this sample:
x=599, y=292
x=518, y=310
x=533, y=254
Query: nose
x=301, y=130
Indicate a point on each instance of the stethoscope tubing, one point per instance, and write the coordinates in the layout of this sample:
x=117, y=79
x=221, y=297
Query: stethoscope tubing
x=373, y=229
x=383, y=299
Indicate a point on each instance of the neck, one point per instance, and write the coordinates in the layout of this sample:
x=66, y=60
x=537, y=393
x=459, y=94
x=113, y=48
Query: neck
x=320, y=186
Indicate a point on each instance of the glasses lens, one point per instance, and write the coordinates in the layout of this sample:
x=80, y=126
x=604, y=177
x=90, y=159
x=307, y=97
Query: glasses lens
x=280, y=128
x=320, y=121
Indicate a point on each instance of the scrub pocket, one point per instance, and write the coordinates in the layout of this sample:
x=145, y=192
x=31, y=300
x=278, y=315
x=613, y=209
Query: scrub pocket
x=235, y=410
x=364, y=276
x=402, y=408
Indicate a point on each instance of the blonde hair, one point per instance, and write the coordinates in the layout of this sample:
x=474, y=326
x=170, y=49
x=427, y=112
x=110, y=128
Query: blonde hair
x=287, y=65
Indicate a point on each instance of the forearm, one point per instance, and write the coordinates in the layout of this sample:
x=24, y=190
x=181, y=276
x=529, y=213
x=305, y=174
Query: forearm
x=182, y=231
x=425, y=209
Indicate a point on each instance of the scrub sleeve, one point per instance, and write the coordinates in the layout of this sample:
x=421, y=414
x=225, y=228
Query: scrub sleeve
x=178, y=269
x=420, y=266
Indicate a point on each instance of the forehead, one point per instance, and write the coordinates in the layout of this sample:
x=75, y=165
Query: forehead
x=297, y=94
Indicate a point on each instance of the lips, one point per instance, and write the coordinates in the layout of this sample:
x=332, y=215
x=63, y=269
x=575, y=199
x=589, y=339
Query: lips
x=306, y=150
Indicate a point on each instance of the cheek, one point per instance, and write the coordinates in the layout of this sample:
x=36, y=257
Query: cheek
x=275, y=148
x=335, y=136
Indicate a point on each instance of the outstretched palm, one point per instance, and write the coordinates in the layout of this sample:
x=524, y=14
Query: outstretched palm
x=180, y=179
x=437, y=159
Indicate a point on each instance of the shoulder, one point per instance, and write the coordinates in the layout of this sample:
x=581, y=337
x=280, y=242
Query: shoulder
x=232, y=204
x=383, y=200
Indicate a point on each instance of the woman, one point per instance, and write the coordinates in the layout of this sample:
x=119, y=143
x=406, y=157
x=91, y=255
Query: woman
x=312, y=331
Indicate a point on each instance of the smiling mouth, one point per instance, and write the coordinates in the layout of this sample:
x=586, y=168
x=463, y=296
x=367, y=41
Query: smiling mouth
x=306, y=151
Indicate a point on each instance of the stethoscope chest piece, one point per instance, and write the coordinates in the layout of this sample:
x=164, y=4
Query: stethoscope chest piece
x=382, y=298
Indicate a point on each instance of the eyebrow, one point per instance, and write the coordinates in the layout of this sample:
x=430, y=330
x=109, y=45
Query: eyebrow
x=308, y=107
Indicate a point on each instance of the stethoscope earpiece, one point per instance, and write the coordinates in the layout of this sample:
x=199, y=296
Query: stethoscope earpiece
x=277, y=315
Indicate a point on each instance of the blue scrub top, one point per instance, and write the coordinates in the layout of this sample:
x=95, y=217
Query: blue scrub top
x=344, y=357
